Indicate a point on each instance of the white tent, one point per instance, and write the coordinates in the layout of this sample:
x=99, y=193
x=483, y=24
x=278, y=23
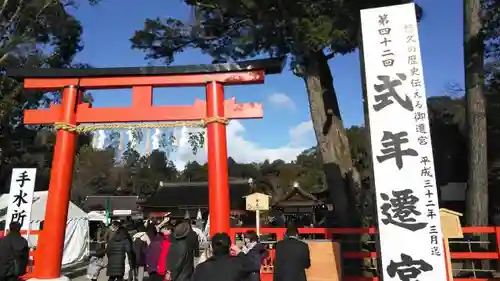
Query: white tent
x=76, y=242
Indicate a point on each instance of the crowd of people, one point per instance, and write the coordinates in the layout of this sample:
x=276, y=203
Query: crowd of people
x=171, y=253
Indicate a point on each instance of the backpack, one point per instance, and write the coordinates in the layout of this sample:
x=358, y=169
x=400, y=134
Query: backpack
x=139, y=247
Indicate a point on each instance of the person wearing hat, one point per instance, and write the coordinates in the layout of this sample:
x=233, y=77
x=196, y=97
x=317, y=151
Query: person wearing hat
x=180, y=259
x=111, y=231
x=228, y=262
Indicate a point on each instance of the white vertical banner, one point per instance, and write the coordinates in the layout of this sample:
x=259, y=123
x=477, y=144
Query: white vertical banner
x=409, y=226
x=22, y=187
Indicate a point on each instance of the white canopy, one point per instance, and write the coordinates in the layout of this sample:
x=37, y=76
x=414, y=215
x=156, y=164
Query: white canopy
x=76, y=242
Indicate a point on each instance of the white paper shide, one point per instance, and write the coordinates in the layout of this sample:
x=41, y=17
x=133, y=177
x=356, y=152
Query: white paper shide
x=403, y=165
x=22, y=186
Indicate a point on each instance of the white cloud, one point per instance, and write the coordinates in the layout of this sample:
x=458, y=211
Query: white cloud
x=302, y=133
x=281, y=100
x=243, y=150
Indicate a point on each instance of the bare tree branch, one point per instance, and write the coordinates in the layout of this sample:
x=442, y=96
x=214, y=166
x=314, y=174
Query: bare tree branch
x=454, y=89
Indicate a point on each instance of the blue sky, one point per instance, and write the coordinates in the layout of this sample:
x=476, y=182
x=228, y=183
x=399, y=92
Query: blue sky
x=109, y=25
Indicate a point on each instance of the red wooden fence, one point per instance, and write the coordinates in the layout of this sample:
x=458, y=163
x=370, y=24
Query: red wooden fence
x=329, y=233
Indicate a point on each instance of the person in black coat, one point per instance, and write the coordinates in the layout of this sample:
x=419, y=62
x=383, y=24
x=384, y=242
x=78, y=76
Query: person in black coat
x=14, y=254
x=118, y=248
x=292, y=258
x=180, y=259
x=192, y=239
x=222, y=266
x=255, y=253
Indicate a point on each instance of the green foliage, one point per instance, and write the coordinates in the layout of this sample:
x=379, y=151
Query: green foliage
x=91, y=172
x=232, y=30
x=34, y=33
x=96, y=172
x=311, y=174
x=358, y=142
x=447, y=122
x=491, y=29
x=193, y=171
x=42, y=33
x=196, y=140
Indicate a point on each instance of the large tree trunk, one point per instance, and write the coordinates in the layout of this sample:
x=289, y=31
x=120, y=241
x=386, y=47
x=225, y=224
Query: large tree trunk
x=332, y=140
x=477, y=188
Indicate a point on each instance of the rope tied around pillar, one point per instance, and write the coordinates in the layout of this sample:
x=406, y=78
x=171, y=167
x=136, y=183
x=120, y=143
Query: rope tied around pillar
x=215, y=119
x=123, y=126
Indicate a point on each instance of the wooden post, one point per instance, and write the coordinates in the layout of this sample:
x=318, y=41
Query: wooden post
x=257, y=202
x=451, y=228
x=447, y=256
x=257, y=222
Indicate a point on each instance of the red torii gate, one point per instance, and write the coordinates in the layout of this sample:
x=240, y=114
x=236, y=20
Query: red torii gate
x=72, y=112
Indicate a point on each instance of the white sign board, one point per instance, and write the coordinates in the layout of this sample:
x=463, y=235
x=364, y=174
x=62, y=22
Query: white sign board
x=122, y=212
x=22, y=187
x=257, y=202
x=407, y=204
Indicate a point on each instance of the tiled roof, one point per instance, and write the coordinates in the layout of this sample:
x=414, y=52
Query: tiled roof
x=98, y=203
x=195, y=194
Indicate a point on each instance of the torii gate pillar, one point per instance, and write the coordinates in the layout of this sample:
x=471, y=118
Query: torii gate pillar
x=218, y=180
x=142, y=80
